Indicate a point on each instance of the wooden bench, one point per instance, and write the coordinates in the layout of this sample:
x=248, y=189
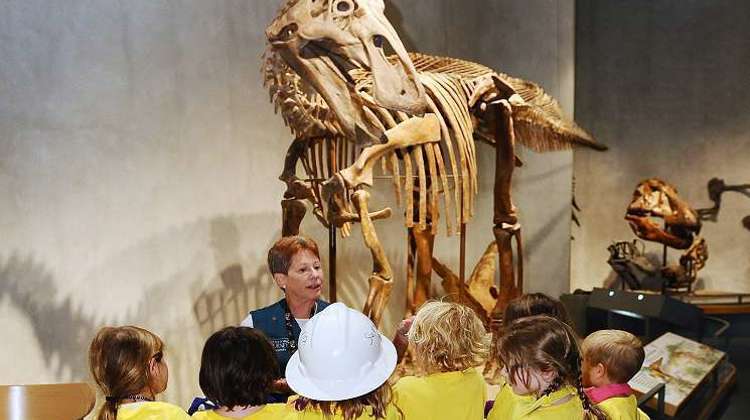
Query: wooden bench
x=46, y=402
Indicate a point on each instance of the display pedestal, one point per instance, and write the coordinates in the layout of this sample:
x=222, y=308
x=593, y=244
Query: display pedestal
x=702, y=404
x=696, y=376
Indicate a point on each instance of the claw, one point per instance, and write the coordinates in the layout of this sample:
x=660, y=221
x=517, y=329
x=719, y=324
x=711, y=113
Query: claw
x=347, y=217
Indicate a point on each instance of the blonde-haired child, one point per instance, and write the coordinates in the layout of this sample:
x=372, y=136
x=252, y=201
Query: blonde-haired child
x=449, y=343
x=610, y=359
x=541, y=359
x=128, y=366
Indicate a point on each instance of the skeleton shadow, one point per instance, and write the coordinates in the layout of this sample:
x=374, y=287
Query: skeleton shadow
x=63, y=326
x=57, y=325
x=532, y=244
x=229, y=296
x=63, y=329
x=227, y=299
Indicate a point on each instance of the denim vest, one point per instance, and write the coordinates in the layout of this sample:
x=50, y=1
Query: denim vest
x=270, y=320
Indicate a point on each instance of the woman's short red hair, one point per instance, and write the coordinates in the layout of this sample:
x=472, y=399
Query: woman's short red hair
x=281, y=253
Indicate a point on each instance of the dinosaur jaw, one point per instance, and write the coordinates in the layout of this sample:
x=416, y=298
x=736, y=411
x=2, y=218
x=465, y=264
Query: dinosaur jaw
x=657, y=213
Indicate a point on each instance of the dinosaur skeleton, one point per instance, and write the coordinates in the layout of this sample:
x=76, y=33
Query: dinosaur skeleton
x=350, y=105
x=658, y=214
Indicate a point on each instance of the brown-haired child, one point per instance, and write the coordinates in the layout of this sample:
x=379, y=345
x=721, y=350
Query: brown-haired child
x=541, y=359
x=238, y=366
x=129, y=368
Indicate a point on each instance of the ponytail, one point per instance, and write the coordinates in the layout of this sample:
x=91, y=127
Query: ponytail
x=118, y=359
x=108, y=410
x=546, y=344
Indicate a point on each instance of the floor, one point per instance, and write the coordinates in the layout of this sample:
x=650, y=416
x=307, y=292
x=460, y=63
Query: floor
x=737, y=405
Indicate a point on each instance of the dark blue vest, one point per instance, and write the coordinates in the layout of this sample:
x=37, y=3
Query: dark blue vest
x=270, y=320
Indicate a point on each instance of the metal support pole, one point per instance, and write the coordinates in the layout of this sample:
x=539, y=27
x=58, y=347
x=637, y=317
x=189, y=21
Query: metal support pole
x=332, y=263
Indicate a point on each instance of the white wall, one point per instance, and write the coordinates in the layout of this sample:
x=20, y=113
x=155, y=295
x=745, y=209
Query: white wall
x=665, y=85
x=138, y=165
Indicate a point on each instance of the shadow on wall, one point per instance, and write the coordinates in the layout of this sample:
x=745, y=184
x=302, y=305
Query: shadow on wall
x=59, y=328
x=532, y=244
x=230, y=295
x=228, y=298
x=153, y=283
x=183, y=283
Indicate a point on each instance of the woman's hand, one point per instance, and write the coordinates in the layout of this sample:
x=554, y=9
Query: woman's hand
x=280, y=386
x=401, y=339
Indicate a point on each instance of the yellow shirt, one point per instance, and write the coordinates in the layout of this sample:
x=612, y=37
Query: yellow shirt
x=456, y=395
x=151, y=410
x=290, y=413
x=506, y=401
x=543, y=408
x=622, y=408
x=268, y=412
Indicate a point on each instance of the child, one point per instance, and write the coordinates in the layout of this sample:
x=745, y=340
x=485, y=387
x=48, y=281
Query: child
x=535, y=304
x=449, y=343
x=541, y=359
x=238, y=367
x=128, y=365
x=341, y=369
x=524, y=306
x=610, y=359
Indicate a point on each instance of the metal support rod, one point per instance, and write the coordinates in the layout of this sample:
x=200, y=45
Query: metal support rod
x=462, y=255
x=332, y=263
x=462, y=264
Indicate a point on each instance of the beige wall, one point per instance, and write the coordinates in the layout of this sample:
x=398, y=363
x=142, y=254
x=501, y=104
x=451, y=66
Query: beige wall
x=138, y=164
x=665, y=85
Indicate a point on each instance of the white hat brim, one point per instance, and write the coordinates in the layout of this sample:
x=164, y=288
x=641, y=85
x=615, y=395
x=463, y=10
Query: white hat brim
x=342, y=389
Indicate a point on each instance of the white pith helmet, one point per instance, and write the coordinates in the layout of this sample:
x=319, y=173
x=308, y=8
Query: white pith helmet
x=340, y=355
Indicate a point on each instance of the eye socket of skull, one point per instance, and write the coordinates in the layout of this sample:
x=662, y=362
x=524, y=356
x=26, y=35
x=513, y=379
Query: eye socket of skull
x=343, y=8
x=286, y=33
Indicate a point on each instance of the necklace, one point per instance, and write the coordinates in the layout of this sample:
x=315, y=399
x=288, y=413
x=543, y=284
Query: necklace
x=289, y=324
x=137, y=397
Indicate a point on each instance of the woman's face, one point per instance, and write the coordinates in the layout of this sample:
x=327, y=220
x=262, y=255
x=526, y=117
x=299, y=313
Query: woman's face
x=304, y=280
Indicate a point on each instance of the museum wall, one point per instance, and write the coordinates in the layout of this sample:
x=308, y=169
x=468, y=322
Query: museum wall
x=138, y=165
x=665, y=85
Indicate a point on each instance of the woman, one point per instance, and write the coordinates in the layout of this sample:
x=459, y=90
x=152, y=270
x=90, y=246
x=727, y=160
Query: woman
x=294, y=262
x=128, y=366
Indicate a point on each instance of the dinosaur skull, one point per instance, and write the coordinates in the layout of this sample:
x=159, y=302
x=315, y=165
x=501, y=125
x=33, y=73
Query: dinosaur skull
x=658, y=214
x=324, y=40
